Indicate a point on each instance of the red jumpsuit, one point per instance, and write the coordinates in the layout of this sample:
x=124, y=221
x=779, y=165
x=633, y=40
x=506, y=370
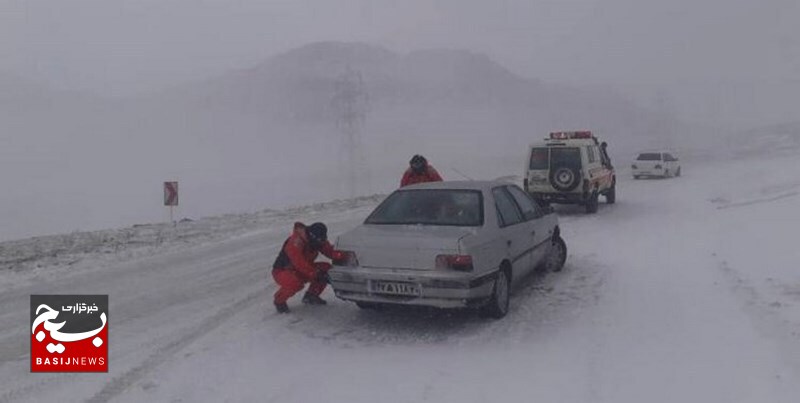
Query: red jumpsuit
x=410, y=178
x=295, y=265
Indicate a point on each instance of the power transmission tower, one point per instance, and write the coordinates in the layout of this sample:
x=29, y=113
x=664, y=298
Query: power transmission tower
x=351, y=103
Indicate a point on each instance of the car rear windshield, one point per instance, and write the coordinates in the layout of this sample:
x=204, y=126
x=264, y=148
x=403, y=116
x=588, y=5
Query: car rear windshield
x=561, y=156
x=649, y=157
x=430, y=207
x=542, y=157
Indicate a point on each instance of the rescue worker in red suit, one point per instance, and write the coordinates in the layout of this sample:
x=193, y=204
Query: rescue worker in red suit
x=295, y=266
x=419, y=171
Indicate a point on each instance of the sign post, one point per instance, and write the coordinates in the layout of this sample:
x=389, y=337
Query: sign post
x=171, y=197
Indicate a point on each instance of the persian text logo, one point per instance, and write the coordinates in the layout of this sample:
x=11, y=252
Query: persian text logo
x=69, y=333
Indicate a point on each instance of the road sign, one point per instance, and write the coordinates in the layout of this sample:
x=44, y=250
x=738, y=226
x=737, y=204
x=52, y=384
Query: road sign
x=170, y=193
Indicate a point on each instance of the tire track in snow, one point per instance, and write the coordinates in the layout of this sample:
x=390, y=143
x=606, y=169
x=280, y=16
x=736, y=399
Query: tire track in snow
x=765, y=316
x=757, y=201
x=120, y=383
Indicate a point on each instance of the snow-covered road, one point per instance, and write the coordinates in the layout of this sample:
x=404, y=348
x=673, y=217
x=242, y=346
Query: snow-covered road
x=686, y=290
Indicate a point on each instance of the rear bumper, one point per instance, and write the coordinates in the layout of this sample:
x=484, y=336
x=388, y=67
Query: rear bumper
x=648, y=172
x=437, y=289
x=562, y=198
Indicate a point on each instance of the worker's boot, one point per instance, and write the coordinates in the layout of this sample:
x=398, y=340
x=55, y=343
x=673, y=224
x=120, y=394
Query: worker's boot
x=312, y=299
x=282, y=307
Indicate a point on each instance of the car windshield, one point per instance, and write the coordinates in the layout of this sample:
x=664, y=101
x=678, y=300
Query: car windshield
x=570, y=156
x=430, y=207
x=649, y=157
x=540, y=157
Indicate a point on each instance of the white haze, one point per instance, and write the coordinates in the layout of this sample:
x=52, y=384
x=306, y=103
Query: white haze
x=103, y=100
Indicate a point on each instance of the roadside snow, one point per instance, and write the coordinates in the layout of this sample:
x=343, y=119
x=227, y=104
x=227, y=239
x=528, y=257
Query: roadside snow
x=34, y=258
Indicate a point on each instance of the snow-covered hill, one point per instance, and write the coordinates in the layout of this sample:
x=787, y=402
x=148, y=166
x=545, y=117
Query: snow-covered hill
x=267, y=136
x=685, y=290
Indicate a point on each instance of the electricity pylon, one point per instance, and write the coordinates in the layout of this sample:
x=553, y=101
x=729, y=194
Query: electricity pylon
x=351, y=103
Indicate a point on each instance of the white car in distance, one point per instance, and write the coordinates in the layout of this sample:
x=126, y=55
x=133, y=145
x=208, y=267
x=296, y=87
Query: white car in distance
x=655, y=164
x=448, y=245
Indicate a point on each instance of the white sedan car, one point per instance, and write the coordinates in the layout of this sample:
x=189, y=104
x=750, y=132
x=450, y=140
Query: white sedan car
x=656, y=163
x=448, y=245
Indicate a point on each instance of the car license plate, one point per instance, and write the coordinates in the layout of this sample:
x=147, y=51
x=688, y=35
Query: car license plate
x=386, y=287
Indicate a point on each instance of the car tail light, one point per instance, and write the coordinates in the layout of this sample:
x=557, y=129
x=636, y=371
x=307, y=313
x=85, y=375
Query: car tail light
x=634, y=166
x=347, y=258
x=455, y=262
x=585, y=185
x=525, y=184
x=658, y=166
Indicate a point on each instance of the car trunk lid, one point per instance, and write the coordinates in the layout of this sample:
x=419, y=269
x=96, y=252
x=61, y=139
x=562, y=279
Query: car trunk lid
x=402, y=246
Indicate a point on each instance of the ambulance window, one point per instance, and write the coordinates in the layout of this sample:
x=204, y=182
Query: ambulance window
x=539, y=158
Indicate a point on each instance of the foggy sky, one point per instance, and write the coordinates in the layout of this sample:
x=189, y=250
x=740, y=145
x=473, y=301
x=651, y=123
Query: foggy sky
x=721, y=66
x=714, y=60
x=124, y=45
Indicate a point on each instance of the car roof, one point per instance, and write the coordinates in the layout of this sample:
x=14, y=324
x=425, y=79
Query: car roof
x=484, y=185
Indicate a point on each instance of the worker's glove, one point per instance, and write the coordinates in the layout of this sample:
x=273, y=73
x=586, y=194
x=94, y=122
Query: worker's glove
x=338, y=255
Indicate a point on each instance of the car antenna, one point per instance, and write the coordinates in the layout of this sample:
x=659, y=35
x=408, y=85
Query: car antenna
x=462, y=174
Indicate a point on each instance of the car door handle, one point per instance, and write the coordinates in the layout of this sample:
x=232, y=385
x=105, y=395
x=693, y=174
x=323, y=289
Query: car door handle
x=533, y=233
x=508, y=242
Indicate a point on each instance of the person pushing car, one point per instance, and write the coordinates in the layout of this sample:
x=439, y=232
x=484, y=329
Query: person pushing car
x=419, y=171
x=295, y=266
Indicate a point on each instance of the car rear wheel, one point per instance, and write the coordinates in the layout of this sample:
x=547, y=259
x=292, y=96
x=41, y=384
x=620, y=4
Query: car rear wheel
x=557, y=256
x=611, y=194
x=591, y=204
x=497, y=307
